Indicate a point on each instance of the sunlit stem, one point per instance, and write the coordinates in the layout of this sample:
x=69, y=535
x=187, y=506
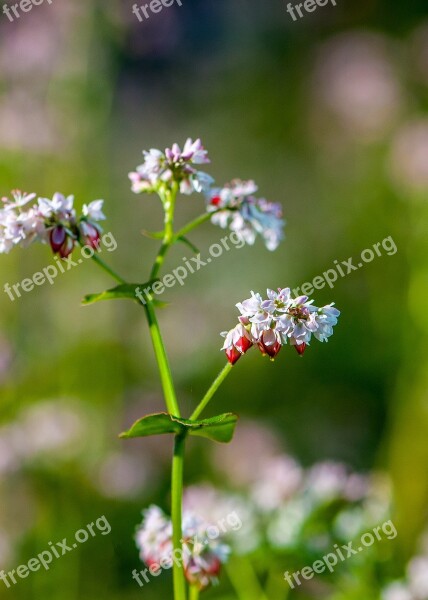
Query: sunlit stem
x=212, y=390
x=176, y=517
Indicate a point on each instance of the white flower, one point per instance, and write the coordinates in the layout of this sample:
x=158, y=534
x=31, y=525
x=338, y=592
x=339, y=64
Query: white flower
x=396, y=591
x=93, y=210
x=174, y=165
x=60, y=207
x=418, y=577
x=234, y=206
x=280, y=318
x=202, y=557
x=154, y=536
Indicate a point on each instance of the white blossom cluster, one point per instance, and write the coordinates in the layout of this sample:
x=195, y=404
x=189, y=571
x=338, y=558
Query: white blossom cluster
x=236, y=207
x=201, y=556
x=55, y=221
x=174, y=165
x=272, y=322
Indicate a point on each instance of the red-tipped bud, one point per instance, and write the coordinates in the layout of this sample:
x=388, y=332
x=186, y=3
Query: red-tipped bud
x=89, y=235
x=269, y=343
x=57, y=237
x=243, y=344
x=215, y=200
x=233, y=355
x=300, y=348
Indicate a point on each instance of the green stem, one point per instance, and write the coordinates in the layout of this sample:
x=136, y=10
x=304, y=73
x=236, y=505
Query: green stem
x=195, y=223
x=160, y=258
x=162, y=360
x=212, y=390
x=194, y=592
x=176, y=517
x=106, y=268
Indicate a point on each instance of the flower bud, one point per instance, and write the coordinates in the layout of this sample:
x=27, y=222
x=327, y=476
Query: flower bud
x=300, y=348
x=67, y=247
x=57, y=237
x=89, y=235
x=233, y=355
x=270, y=343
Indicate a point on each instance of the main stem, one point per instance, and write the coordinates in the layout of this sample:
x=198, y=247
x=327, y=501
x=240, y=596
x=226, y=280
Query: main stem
x=176, y=517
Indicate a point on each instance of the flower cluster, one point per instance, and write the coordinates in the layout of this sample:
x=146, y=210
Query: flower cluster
x=161, y=169
x=270, y=323
x=236, y=207
x=54, y=221
x=202, y=557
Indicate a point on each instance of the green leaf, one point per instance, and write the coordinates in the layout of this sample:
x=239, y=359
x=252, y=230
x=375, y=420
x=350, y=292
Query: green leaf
x=218, y=429
x=154, y=235
x=125, y=290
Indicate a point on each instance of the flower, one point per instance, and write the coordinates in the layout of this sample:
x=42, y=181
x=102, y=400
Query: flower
x=161, y=169
x=236, y=207
x=154, y=537
x=49, y=221
x=202, y=557
x=238, y=341
x=270, y=323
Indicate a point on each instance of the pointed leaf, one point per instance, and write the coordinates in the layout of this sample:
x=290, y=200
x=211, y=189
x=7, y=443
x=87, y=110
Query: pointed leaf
x=125, y=290
x=218, y=429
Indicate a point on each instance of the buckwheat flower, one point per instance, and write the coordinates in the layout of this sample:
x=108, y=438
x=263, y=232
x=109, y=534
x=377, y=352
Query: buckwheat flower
x=236, y=207
x=273, y=322
x=93, y=211
x=161, y=169
x=203, y=556
x=238, y=341
x=397, y=591
x=154, y=537
x=48, y=221
x=418, y=577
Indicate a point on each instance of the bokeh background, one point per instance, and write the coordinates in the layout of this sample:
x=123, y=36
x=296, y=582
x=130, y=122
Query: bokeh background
x=329, y=115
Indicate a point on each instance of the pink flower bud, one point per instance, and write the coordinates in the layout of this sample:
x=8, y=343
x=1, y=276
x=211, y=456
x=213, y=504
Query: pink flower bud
x=89, y=235
x=57, y=237
x=67, y=247
x=203, y=572
x=243, y=344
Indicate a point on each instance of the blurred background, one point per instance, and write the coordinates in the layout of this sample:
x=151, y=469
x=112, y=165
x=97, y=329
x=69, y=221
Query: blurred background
x=329, y=115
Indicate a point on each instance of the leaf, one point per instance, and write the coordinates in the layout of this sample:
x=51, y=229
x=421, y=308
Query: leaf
x=218, y=429
x=154, y=235
x=189, y=244
x=125, y=290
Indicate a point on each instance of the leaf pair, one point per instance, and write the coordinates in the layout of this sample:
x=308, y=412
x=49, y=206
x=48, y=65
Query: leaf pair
x=217, y=429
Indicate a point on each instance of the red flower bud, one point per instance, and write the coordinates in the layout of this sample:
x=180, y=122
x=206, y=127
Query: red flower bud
x=233, y=355
x=269, y=343
x=243, y=344
x=215, y=200
x=300, y=348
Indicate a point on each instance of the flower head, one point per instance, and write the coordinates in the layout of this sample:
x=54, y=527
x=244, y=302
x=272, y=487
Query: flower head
x=174, y=165
x=201, y=556
x=49, y=221
x=271, y=322
x=236, y=207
